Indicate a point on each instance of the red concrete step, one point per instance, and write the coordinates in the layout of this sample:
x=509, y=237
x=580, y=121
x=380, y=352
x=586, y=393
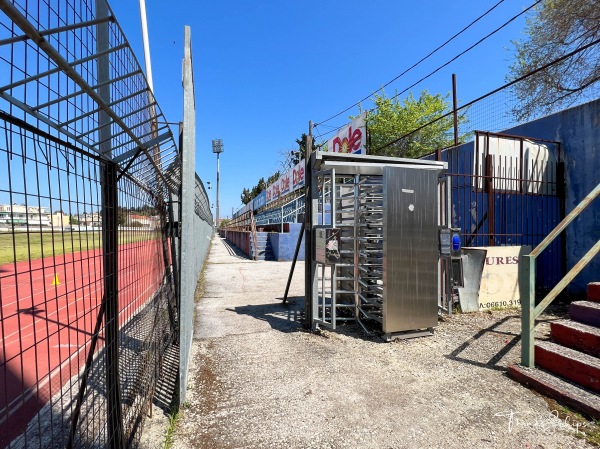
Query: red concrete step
x=558, y=389
x=586, y=312
x=575, y=335
x=593, y=292
x=578, y=367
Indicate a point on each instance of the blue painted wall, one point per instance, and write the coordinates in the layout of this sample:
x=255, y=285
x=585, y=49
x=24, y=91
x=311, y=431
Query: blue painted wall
x=578, y=130
x=284, y=245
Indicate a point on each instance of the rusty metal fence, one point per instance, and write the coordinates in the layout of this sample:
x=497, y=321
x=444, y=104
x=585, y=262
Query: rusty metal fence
x=91, y=213
x=509, y=196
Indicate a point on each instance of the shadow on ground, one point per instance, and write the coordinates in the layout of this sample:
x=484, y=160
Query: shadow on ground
x=234, y=250
x=287, y=317
x=511, y=337
x=504, y=334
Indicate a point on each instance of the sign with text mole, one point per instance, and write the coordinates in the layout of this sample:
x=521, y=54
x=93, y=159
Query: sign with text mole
x=500, y=278
x=352, y=138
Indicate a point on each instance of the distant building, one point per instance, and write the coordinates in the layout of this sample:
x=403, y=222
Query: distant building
x=34, y=216
x=19, y=214
x=59, y=220
x=93, y=220
x=143, y=221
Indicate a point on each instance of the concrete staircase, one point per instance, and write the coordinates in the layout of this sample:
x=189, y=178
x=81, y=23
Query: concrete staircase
x=568, y=366
x=263, y=249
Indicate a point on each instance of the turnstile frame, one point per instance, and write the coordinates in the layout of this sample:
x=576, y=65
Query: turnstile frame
x=346, y=165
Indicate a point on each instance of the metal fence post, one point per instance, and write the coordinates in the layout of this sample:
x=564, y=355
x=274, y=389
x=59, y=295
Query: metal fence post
x=111, y=296
x=110, y=255
x=527, y=291
x=491, y=199
x=174, y=238
x=188, y=153
x=308, y=271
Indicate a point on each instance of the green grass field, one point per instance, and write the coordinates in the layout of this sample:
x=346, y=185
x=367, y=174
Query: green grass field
x=46, y=244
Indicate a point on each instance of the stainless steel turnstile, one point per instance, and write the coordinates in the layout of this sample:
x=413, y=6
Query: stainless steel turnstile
x=387, y=215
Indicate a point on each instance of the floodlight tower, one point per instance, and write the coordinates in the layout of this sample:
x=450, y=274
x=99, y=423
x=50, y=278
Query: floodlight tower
x=217, y=147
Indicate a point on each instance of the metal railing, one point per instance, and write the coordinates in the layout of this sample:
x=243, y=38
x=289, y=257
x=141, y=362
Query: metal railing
x=530, y=312
x=254, y=237
x=287, y=213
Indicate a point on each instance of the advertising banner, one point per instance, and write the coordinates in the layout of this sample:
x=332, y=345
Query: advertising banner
x=276, y=189
x=260, y=200
x=285, y=183
x=352, y=138
x=298, y=175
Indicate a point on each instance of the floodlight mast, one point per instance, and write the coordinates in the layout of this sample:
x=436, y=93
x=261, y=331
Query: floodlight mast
x=217, y=147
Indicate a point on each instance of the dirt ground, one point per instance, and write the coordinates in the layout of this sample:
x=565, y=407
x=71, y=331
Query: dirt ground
x=258, y=380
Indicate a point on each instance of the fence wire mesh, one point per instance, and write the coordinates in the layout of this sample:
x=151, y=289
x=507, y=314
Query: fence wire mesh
x=90, y=194
x=496, y=111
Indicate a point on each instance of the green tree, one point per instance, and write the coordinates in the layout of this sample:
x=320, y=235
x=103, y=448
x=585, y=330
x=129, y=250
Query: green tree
x=73, y=220
x=258, y=188
x=291, y=157
x=274, y=177
x=246, y=197
x=555, y=28
x=300, y=153
x=122, y=216
x=393, y=118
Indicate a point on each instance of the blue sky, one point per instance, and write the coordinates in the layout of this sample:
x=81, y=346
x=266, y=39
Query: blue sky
x=263, y=69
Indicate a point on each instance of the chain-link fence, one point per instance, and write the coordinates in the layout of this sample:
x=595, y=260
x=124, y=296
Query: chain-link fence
x=91, y=212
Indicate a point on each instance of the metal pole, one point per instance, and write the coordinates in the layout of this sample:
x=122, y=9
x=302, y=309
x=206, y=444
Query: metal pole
x=289, y=282
x=146, y=41
x=527, y=291
x=174, y=238
x=110, y=200
x=188, y=158
x=308, y=272
x=217, y=214
x=148, y=64
x=455, y=109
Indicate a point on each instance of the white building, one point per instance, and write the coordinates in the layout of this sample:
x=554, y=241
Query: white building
x=142, y=221
x=19, y=214
x=34, y=216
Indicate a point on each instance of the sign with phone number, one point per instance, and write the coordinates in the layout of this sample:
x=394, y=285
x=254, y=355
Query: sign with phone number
x=500, y=278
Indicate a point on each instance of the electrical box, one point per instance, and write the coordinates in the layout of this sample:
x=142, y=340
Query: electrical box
x=450, y=243
x=327, y=245
x=450, y=248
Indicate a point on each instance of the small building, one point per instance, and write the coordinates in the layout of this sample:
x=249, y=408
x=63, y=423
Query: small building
x=59, y=220
x=139, y=221
x=21, y=215
x=93, y=220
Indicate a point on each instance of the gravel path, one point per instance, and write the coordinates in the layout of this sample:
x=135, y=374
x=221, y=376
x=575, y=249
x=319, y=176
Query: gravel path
x=258, y=380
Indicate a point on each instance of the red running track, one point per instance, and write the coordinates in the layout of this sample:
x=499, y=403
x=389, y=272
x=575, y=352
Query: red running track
x=46, y=329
